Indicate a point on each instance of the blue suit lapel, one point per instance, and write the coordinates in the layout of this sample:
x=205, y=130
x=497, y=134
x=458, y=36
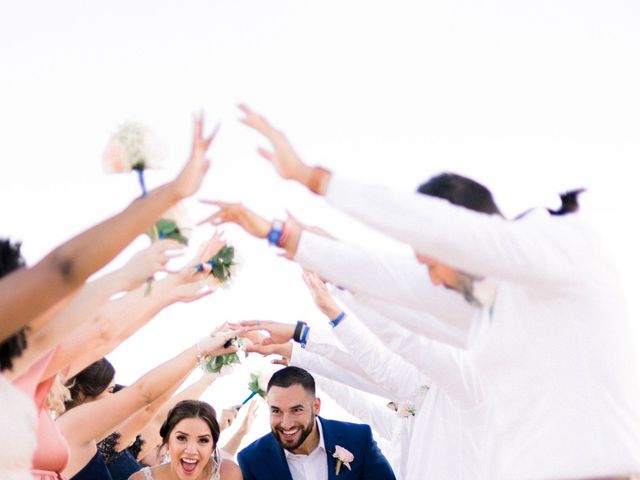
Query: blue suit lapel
x=331, y=438
x=275, y=459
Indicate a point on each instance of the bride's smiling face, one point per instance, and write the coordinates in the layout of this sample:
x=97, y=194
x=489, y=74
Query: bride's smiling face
x=190, y=448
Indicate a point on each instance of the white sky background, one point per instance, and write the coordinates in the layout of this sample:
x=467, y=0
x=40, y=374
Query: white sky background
x=529, y=98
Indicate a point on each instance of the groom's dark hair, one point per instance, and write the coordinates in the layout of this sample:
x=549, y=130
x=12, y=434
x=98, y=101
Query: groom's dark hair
x=289, y=376
x=461, y=191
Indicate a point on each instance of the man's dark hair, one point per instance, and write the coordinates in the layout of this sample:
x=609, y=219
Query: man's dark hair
x=289, y=376
x=569, y=202
x=461, y=191
x=10, y=261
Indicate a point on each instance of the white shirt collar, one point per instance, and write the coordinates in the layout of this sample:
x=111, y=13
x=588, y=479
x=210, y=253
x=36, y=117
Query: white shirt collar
x=289, y=454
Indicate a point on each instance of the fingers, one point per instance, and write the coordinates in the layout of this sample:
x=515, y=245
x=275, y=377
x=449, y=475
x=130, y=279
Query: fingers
x=255, y=121
x=217, y=218
x=286, y=255
x=210, y=138
x=216, y=203
x=255, y=348
x=224, y=214
x=267, y=154
x=197, y=128
x=250, y=324
x=244, y=108
x=167, y=244
x=306, y=279
x=251, y=118
x=253, y=408
x=314, y=282
x=197, y=296
x=280, y=361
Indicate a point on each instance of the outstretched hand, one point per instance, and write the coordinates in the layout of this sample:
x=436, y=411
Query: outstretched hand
x=278, y=332
x=283, y=157
x=282, y=349
x=227, y=417
x=249, y=417
x=215, y=345
x=237, y=213
x=321, y=295
x=190, y=178
x=152, y=259
x=188, y=284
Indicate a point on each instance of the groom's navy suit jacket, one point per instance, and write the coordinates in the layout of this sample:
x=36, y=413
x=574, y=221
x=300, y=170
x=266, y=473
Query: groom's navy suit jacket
x=264, y=459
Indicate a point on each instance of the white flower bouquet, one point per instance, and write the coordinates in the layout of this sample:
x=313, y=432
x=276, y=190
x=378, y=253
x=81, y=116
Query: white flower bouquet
x=133, y=147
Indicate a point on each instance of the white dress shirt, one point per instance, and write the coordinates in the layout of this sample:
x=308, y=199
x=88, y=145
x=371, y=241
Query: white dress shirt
x=557, y=355
x=450, y=433
x=398, y=279
x=312, y=466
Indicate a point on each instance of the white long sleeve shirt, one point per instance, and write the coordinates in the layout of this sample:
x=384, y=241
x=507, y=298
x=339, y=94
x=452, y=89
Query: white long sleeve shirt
x=394, y=278
x=556, y=355
x=322, y=364
x=451, y=432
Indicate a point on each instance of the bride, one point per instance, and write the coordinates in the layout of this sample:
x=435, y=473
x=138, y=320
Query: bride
x=190, y=435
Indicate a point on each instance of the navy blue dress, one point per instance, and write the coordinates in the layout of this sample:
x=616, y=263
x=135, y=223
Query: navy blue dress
x=122, y=465
x=96, y=469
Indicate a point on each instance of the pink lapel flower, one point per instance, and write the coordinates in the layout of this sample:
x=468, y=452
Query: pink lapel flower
x=342, y=456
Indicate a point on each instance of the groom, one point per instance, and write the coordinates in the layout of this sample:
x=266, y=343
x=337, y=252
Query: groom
x=304, y=446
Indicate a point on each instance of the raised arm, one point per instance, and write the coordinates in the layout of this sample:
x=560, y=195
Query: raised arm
x=320, y=365
x=121, y=318
x=85, y=423
x=399, y=377
x=450, y=368
x=27, y=292
x=529, y=251
x=397, y=278
x=83, y=309
x=233, y=444
x=322, y=345
x=137, y=422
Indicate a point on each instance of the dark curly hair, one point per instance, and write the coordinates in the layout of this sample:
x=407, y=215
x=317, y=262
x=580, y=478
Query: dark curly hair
x=190, y=409
x=90, y=382
x=10, y=261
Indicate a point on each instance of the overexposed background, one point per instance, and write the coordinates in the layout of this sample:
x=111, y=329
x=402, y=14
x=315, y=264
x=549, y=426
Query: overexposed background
x=529, y=98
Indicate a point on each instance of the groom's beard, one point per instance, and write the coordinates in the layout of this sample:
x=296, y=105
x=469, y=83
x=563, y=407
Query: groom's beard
x=304, y=432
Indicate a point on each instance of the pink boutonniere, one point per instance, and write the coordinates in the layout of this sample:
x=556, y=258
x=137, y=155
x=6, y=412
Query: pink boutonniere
x=342, y=456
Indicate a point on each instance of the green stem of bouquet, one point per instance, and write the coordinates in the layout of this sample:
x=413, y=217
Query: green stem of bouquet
x=154, y=238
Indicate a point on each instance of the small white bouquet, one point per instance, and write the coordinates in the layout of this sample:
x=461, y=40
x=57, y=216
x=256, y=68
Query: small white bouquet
x=133, y=147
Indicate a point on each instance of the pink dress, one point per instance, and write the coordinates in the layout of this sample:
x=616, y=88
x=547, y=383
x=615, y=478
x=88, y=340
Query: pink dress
x=52, y=451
